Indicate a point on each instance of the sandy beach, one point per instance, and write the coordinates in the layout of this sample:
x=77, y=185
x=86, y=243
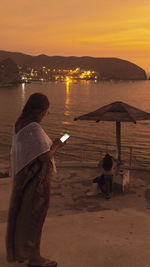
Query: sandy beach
x=91, y=231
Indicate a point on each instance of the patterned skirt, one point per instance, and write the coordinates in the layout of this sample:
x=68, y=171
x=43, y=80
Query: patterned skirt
x=28, y=208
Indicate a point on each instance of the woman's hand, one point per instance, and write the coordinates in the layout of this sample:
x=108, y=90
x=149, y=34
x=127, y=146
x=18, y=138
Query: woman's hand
x=57, y=143
x=55, y=146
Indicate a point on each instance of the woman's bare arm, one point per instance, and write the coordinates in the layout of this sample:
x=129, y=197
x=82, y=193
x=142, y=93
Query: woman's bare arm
x=49, y=154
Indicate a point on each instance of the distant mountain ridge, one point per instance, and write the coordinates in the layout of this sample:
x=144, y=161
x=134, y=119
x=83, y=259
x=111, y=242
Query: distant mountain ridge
x=9, y=73
x=108, y=68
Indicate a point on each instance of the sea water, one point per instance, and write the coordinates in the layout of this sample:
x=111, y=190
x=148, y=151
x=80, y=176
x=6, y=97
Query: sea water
x=89, y=140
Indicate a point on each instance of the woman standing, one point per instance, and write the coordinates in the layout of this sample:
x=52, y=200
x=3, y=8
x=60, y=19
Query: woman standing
x=32, y=166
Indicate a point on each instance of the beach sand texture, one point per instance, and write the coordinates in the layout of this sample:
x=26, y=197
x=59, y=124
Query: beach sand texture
x=90, y=231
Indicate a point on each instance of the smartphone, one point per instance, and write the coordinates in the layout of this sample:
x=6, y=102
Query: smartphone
x=64, y=137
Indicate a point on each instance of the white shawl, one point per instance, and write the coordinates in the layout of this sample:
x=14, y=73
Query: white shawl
x=29, y=143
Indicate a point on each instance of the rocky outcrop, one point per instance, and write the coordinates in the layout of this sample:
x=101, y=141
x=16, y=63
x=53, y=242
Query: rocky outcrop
x=9, y=73
x=108, y=68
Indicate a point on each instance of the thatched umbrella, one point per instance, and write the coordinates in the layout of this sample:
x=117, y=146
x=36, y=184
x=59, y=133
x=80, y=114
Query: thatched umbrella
x=117, y=111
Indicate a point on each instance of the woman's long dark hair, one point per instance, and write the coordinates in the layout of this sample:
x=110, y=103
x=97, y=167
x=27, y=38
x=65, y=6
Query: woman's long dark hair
x=36, y=104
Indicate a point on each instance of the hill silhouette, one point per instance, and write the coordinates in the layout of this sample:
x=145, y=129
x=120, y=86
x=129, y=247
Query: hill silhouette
x=108, y=68
x=9, y=73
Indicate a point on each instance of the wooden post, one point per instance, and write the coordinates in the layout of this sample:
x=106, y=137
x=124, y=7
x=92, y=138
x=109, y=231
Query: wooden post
x=130, y=157
x=118, y=140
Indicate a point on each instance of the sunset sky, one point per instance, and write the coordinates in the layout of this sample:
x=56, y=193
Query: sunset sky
x=99, y=28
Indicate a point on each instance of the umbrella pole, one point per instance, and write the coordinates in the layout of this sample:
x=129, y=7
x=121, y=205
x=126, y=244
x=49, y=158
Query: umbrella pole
x=118, y=140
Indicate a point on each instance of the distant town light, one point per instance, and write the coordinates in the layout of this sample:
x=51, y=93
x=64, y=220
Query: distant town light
x=46, y=74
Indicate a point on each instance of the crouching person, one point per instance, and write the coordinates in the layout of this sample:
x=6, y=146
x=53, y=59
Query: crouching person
x=103, y=183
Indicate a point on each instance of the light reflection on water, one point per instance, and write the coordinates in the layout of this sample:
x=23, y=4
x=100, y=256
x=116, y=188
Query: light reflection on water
x=23, y=93
x=69, y=100
x=67, y=103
